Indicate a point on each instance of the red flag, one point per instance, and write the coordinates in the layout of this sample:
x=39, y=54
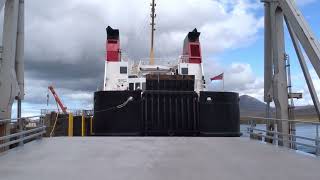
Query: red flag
x=219, y=77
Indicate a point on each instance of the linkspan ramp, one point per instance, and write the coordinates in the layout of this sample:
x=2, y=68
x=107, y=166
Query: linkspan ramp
x=155, y=158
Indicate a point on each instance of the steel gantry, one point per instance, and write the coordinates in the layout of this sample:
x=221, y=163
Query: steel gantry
x=278, y=13
x=12, y=57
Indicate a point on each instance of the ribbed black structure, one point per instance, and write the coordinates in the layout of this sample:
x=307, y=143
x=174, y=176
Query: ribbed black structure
x=219, y=114
x=170, y=113
x=166, y=113
x=109, y=120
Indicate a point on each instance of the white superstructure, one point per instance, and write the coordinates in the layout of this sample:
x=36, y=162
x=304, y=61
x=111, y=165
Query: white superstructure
x=124, y=74
x=116, y=76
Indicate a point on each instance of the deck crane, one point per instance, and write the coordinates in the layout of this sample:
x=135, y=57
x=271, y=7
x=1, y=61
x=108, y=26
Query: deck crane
x=57, y=99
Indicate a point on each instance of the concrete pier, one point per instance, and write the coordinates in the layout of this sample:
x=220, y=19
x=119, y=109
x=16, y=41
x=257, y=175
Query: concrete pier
x=155, y=158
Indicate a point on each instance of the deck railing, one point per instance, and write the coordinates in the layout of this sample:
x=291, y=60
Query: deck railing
x=75, y=112
x=27, y=129
x=159, y=61
x=276, y=137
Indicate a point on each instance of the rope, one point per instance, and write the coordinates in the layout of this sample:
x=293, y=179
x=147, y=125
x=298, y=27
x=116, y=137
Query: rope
x=111, y=108
x=119, y=106
x=55, y=122
x=54, y=125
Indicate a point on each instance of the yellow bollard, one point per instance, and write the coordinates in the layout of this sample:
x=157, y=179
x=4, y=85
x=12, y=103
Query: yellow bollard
x=70, y=126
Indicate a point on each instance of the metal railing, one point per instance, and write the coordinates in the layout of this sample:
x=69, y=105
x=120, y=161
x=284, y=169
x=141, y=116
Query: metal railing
x=75, y=112
x=184, y=59
x=160, y=61
x=27, y=129
x=279, y=138
x=16, y=119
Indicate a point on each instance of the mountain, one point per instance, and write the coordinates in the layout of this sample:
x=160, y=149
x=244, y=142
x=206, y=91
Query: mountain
x=250, y=106
x=304, y=111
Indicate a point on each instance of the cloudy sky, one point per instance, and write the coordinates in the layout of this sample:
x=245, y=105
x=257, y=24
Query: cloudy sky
x=65, y=43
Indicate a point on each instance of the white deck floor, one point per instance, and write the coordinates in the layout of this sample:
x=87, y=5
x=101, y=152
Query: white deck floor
x=161, y=158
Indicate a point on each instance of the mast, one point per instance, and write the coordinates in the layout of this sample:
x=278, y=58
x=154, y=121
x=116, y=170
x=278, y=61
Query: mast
x=153, y=16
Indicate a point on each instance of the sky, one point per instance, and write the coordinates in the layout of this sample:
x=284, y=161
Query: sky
x=65, y=44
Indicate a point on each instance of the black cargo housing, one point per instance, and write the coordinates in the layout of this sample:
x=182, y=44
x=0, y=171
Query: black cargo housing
x=169, y=107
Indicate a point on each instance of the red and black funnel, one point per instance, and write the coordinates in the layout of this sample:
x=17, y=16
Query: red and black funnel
x=112, y=33
x=191, y=47
x=113, y=44
x=194, y=35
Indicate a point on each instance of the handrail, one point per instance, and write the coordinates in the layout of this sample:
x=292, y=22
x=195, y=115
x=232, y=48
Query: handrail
x=75, y=112
x=22, y=135
x=10, y=119
x=280, y=139
x=274, y=119
x=39, y=134
x=283, y=134
x=276, y=135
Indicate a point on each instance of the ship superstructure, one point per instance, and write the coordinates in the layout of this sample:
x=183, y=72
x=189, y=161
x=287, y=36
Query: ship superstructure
x=161, y=96
x=166, y=97
x=123, y=74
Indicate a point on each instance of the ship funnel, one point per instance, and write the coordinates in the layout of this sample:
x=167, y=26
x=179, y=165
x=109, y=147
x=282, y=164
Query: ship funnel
x=113, y=45
x=191, y=47
x=194, y=35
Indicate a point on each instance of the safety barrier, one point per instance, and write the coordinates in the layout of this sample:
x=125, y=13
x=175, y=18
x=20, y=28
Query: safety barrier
x=279, y=138
x=28, y=129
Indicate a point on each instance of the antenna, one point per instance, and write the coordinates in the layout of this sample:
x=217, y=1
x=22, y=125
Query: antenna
x=153, y=16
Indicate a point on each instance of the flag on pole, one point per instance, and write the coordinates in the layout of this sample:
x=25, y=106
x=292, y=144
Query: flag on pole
x=219, y=77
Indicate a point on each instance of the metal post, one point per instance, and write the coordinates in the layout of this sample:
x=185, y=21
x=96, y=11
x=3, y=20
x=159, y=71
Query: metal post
x=251, y=129
x=153, y=16
x=280, y=91
x=91, y=126
x=275, y=129
x=268, y=68
x=20, y=121
x=19, y=108
x=317, y=141
x=269, y=124
x=19, y=61
x=292, y=126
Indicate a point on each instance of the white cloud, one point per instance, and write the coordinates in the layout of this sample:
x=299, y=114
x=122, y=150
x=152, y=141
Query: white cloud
x=239, y=77
x=64, y=29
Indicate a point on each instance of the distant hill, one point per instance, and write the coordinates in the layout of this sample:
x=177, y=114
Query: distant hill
x=305, y=111
x=250, y=106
